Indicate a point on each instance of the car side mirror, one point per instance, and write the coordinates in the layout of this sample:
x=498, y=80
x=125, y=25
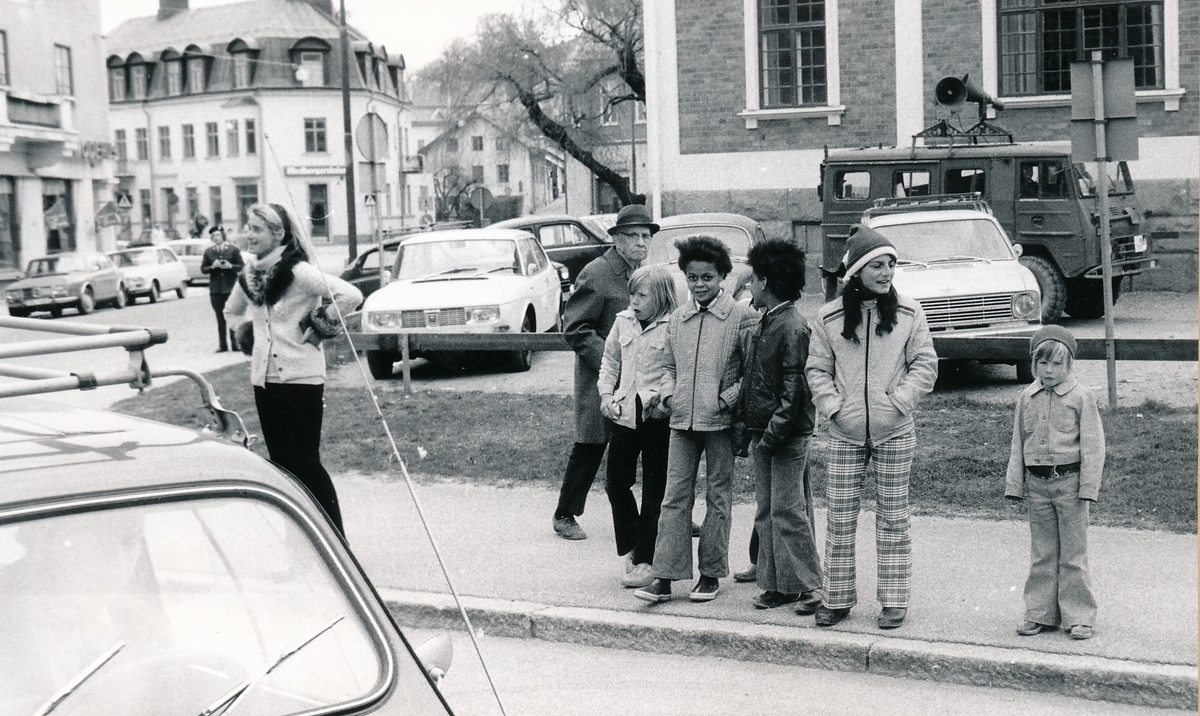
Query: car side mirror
x=1020, y=250
x=531, y=269
x=386, y=275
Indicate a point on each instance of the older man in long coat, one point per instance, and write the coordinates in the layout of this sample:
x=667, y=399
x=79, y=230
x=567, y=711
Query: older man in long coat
x=601, y=292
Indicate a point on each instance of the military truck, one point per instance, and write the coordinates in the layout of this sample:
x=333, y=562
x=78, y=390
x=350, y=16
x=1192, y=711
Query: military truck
x=1045, y=202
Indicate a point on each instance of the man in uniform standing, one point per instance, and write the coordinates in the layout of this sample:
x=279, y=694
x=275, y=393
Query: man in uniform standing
x=222, y=263
x=601, y=292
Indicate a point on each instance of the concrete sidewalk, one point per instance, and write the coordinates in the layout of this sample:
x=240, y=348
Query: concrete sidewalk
x=520, y=579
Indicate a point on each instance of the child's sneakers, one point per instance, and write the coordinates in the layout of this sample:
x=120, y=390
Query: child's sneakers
x=1079, y=632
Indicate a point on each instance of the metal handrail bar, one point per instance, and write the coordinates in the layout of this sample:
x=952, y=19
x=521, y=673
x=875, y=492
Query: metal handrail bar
x=134, y=340
x=158, y=335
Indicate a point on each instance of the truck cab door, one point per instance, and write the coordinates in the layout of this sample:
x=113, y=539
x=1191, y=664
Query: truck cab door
x=1047, y=213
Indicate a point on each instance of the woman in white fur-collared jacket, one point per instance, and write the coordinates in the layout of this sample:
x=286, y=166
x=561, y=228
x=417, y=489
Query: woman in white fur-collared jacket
x=283, y=298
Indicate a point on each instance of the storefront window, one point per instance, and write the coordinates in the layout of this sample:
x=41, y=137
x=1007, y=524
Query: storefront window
x=58, y=215
x=10, y=245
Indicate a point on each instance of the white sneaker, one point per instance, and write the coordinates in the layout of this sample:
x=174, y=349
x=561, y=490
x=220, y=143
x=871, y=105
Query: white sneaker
x=641, y=576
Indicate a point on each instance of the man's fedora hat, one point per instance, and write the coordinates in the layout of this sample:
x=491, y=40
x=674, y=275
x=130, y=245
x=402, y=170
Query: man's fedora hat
x=634, y=215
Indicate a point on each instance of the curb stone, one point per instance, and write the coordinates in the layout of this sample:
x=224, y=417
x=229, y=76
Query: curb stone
x=1089, y=677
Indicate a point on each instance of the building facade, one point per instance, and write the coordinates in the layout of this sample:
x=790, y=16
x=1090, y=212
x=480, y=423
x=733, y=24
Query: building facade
x=217, y=108
x=745, y=95
x=55, y=156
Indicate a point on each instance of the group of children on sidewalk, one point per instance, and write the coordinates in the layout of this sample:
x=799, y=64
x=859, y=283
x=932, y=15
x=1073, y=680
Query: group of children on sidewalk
x=715, y=377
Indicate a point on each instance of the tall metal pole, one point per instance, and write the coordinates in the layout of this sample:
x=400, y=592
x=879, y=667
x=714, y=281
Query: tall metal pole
x=1110, y=353
x=351, y=230
x=633, y=147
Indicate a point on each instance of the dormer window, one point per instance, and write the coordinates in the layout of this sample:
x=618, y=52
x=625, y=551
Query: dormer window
x=117, y=87
x=243, y=53
x=308, y=55
x=174, y=78
x=139, y=76
x=196, y=75
x=241, y=71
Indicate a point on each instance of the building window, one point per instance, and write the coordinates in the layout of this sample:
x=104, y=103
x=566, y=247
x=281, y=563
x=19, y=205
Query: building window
x=189, y=142
x=1039, y=39
x=314, y=135
x=193, y=202
x=502, y=173
x=452, y=144
x=164, y=142
x=476, y=144
x=174, y=78
x=423, y=202
x=147, y=208
x=639, y=116
x=964, y=181
x=501, y=144
x=3, y=58
x=247, y=196
x=119, y=141
x=63, y=76
x=212, y=139
x=608, y=116
x=58, y=215
x=142, y=138
x=477, y=174
x=116, y=84
x=313, y=64
x=214, y=204
x=241, y=70
x=196, y=75
x=10, y=239
x=137, y=81
x=171, y=201
x=318, y=208
x=251, y=138
x=232, y=139
x=792, y=47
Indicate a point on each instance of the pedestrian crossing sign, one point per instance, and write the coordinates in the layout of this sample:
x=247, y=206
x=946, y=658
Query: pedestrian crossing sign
x=124, y=201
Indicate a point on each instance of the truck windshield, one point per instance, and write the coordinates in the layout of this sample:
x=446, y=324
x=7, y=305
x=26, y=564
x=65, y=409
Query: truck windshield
x=1119, y=180
x=933, y=241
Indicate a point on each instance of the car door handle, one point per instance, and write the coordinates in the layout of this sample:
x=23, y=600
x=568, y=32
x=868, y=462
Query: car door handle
x=1038, y=221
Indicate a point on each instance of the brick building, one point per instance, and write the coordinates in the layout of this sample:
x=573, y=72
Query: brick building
x=744, y=95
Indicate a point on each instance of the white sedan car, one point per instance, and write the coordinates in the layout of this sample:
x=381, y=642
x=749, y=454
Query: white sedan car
x=149, y=271
x=465, y=281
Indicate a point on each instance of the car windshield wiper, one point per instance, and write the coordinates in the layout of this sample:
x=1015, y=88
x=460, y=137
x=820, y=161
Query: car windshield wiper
x=76, y=682
x=501, y=268
x=910, y=262
x=226, y=703
x=961, y=258
x=458, y=270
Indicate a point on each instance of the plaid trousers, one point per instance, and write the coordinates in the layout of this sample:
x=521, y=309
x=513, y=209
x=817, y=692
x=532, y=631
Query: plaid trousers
x=847, y=469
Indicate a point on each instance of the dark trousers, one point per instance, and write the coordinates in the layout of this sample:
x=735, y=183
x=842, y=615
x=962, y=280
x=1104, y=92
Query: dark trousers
x=582, y=467
x=290, y=415
x=218, y=303
x=637, y=532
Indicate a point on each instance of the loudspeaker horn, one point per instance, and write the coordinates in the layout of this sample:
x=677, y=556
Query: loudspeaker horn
x=952, y=91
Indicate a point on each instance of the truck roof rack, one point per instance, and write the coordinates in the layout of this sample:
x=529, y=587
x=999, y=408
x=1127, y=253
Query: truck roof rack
x=86, y=336
x=933, y=202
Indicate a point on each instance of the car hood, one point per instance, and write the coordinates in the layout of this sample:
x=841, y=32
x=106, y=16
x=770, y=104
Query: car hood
x=139, y=271
x=447, y=291
x=963, y=278
x=50, y=279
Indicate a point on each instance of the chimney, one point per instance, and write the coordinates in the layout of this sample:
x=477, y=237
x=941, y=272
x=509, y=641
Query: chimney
x=171, y=8
x=325, y=7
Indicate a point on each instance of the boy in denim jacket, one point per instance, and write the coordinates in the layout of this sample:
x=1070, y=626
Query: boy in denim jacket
x=1056, y=462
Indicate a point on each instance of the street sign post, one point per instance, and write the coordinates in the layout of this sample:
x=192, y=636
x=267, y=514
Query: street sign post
x=373, y=144
x=1104, y=129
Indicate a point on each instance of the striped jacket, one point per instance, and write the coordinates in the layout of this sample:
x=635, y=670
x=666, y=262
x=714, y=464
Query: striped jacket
x=870, y=388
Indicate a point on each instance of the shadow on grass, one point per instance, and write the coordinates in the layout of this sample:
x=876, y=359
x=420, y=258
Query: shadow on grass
x=505, y=439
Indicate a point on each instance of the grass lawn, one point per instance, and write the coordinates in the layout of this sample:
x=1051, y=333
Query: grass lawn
x=498, y=438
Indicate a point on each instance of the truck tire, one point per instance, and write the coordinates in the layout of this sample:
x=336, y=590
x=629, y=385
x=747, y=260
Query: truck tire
x=1085, y=296
x=1052, y=285
x=380, y=364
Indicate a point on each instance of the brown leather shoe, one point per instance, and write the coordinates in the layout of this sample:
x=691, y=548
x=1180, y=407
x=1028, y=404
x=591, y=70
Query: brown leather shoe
x=771, y=599
x=808, y=603
x=828, y=617
x=1031, y=628
x=892, y=617
x=568, y=528
x=747, y=575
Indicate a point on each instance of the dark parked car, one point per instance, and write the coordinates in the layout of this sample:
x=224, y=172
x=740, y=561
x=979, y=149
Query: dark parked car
x=148, y=569
x=566, y=239
x=363, y=272
x=80, y=280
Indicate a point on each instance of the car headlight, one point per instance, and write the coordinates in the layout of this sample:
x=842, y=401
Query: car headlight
x=383, y=319
x=1026, y=305
x=11, y=296
x=482, y=314
x=58, y=291
x=564, y=273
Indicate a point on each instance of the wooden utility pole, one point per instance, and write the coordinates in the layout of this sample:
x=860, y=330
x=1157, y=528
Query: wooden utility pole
x=351, y=219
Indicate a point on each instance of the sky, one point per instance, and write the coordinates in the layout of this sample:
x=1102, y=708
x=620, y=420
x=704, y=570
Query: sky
x=417, y=29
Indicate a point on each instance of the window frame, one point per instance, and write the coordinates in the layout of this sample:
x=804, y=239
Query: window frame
x=5, y=79
x=61, y=53
x=477, y=143
x=242, y=71
x=212, y=139
x=121, y=145
x=251, y=128
x=164, y=142
x=188, y=133
x=197, y=79
x=141, y=138
x=1169, y=95
x=174, y=87
x=118, y=84
x=138, y=76
x=232, y=138
x=832, y=110
x=502, y=173
x=315, y=139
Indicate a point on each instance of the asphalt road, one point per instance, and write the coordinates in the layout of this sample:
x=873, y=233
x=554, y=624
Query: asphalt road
x=540, y=677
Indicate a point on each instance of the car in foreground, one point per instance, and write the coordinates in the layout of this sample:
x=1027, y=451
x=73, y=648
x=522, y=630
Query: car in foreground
x=148, y=569
x=466, y=281
x=958, y=262
x=191, y=253
x=80, y=280
x=571, y=242
x=149, y=272
x=737, y=232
